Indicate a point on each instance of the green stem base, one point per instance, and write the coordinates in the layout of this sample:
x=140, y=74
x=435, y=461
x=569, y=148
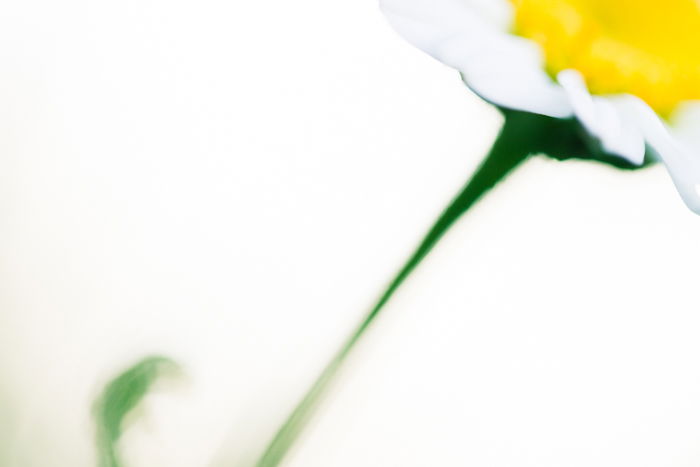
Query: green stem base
x=522, y=134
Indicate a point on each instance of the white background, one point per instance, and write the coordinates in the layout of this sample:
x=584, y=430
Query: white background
x=231, y=183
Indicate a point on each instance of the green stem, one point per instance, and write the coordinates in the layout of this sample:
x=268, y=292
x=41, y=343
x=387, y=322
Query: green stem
x=517, y=140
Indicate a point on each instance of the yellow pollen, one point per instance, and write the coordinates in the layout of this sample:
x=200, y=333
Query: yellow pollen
x=648, y=48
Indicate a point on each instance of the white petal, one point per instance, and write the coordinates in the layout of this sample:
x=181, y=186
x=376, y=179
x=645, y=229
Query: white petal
x=685, y=125
x=600, y=116
x=466, y=35
x=678, y=151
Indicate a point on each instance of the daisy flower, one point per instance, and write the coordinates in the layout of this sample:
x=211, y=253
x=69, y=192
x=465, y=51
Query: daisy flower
x=627, y=72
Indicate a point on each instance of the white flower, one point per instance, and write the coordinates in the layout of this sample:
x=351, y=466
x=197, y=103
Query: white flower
x=628, y=71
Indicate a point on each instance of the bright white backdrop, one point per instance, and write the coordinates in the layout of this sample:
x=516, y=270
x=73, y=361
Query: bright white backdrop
x=231, y=183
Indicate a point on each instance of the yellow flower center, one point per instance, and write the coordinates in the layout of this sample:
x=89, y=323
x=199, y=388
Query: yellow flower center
x=649, y=48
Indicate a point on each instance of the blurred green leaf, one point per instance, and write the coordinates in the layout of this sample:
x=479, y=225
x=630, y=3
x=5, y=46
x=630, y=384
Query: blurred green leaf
x=120, y=396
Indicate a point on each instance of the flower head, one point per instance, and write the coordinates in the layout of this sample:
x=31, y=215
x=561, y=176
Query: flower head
x=620, y=46
x=628, y=71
